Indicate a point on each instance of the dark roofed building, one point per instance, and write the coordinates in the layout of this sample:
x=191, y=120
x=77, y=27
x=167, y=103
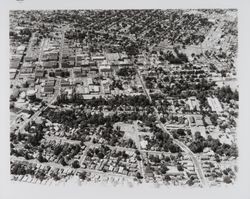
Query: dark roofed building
x=14, y=64
x=39, y=73
x=66, y=64
x=29, y=59
x=50, y=57
x=191, y=119
x=50, y=82
x=26, y=70
x=198, y=120
x=84, y=63
x=48, y=89
x=50, y=64
x=65, y=83
x=58, y=72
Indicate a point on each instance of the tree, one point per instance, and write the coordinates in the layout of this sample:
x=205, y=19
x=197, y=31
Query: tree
x=27, y=156
x=76, y=164
x=174, y=148
x=167, y=159
x=124, y=155
x=227, y=179
x=25, y=85
x=138, y=175
x=41, y=158
x=83, y=175
x=180, y=167
x=57, y=150
x=217, y=158
x=167, y=178
x=197, y=135
x=175, y=135
x=126, y=72
x=181, y=132
x=163, y=120
x=137, y=152
x=138, y=158
x=100, y=155
x=62, y=161
x=214, y=118
x=164, y=169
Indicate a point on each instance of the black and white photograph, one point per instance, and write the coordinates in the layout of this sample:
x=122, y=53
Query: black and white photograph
x=124, y=98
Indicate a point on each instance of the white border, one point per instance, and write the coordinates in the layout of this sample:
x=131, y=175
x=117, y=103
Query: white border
x=23, y=190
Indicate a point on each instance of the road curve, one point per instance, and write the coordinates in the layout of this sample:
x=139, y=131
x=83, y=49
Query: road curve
x=197, y=165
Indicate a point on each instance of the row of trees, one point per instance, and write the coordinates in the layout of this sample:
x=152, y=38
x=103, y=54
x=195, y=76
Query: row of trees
x=74, y=118
x=117, y=100
x=126, y=72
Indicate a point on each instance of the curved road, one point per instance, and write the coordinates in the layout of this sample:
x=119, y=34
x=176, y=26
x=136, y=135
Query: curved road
x=196, y=162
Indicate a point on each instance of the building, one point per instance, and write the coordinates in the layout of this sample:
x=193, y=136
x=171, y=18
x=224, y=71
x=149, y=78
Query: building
x=106, y=88
x=31, y=94
x=83, y=63
x=27, y=65
x=69, y=92
x=12, y=73
x=82, y=90
x=65, y=83
x=14, y=64
x=191, y=121
x=30, y=58
x=93, y=70
x=95, y=89
x=50, y=82
x=48, y=89
x=20, y=49
x=112, y=56
x=144, y=144
x=58, y=72
x=98, y=58
x=208, y=121
x=78, y=72
x=215, y=104
x=26, y=72
x=194, y=104
x=50, y=57
x=105, y=70
x=66, y=64
x=39, y=73
x=124, y=63
x=50, y=64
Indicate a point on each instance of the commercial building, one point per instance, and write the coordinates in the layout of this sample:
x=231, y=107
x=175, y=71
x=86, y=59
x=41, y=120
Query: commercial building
x=215, y=104
x=193, y=103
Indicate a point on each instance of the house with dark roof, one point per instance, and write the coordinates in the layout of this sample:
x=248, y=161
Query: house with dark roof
x=39, y=74
x=49, y=89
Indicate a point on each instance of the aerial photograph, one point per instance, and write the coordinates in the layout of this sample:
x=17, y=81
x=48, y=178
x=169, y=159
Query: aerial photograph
x=124, y=97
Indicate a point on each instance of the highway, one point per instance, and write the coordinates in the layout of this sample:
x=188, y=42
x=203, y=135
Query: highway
x=197, y=165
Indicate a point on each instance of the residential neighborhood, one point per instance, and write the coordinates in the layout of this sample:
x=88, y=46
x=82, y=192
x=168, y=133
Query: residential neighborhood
x=124, y=97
